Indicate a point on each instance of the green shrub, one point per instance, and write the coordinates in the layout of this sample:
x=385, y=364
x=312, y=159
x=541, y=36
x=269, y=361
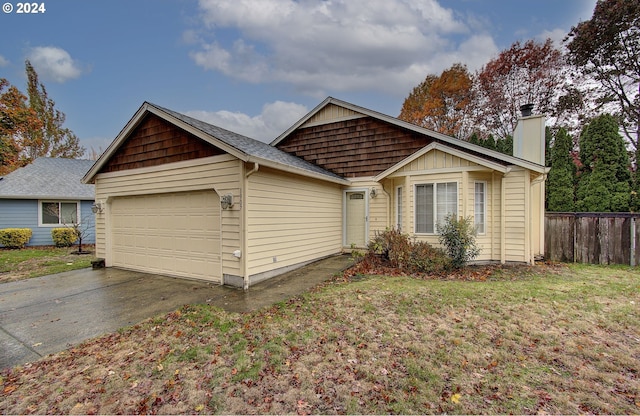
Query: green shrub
x=64, y=237
x=458, y=236
x=407, y=256
x=15, y=237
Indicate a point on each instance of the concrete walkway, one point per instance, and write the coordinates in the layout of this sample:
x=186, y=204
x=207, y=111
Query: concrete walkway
x=48, y=314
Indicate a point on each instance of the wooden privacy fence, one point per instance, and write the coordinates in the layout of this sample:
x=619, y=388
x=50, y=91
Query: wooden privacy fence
x=588, y=237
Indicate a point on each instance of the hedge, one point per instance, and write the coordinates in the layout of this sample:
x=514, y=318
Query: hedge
x=15, y=237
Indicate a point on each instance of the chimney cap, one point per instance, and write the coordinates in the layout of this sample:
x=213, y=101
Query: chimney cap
x=526, y=109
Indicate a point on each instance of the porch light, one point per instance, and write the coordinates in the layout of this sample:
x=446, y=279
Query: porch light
x=373, y=193
x=226, y=201
x=97, y=208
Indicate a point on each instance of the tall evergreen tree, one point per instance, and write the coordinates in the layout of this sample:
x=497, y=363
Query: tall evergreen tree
x=562, y=177
x=604, y=183
x=51, y=138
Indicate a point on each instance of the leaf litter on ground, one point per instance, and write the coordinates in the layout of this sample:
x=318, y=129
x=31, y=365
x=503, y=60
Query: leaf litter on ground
x=531, y=339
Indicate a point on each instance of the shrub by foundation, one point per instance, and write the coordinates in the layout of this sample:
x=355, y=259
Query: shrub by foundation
x=408, y=256
x=15, y=237
x=64, y=237
x=458, y=236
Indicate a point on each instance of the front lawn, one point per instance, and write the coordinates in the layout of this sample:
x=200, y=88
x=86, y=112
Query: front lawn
x=39, y=261
x=526, y=340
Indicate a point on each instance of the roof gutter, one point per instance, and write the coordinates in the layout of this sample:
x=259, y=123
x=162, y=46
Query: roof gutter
x=256, y=166
x=297, y=171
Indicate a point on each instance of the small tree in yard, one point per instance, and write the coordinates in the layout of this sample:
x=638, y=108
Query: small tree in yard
x=458, y=236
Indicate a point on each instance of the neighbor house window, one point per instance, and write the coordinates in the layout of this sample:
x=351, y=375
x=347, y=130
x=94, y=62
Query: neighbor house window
x=433, y=203
x=399, y=207
x=480, y=207
x=58, y=213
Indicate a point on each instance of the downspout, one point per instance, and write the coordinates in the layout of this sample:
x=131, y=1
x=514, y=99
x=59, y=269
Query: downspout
x=245, y=244
x=389, y=207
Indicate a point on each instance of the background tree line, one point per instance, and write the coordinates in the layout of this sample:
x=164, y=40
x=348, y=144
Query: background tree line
x=589, y=90
x=31, y=126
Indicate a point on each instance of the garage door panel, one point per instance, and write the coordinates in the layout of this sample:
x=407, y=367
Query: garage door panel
x=174, y=234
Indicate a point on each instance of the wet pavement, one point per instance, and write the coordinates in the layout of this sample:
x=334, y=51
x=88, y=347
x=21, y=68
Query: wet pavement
x=48, y=314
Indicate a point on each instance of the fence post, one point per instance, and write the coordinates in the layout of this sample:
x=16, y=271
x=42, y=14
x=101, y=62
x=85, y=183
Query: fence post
x=575, y=237
x=632, y=240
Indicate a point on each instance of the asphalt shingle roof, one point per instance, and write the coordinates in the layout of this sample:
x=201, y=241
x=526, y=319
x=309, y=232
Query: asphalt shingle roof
x=249, y=146
x=48, y=178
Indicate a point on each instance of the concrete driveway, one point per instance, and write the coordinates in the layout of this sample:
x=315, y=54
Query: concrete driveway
x=48, y=314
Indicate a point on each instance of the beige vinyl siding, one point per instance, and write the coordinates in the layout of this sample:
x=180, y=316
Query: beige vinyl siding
x=496, y=214
x=516, y=188
x=219, y=173
x=437, y=166
x=330, y=113
x=290, y=220
x=433, y=160
x=484, y=241
x=537, y=217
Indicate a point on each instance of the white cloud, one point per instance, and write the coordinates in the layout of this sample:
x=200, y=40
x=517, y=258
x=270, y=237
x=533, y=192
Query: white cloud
x=3, y=61
x=344, y=45
x=556, y=35
x=274, y=119
x=54, y=63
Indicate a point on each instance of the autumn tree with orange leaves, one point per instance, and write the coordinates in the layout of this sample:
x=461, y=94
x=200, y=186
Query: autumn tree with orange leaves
x=443, y=103
x=16, y=120
x=31, y=127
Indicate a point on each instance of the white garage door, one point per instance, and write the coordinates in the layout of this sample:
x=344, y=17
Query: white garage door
x=176, y=234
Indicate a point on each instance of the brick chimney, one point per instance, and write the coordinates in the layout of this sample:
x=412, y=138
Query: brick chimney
x=528, y=137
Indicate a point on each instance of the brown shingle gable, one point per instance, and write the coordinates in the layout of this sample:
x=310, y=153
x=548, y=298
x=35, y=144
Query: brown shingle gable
x=154, y=142
x=360, y=147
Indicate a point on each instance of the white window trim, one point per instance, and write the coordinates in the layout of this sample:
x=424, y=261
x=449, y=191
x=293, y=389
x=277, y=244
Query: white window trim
x=484, y=205
x=42, y=201
x=435, y=203
x=400, y=207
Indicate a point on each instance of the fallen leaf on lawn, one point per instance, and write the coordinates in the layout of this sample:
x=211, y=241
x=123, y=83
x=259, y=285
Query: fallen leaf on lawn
x=199, y=408
x=455, y=398
x=234, y=371
x=160, y=367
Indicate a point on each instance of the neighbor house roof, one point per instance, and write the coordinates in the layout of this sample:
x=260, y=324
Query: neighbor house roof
x=48, y=178
x=242, y=147
x=442, y=138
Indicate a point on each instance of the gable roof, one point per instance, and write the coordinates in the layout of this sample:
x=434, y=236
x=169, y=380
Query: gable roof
x=451, y=142
x=242, y=147
x=48, y=178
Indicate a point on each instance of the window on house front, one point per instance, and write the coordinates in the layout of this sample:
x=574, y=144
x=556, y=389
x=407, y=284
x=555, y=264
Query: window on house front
x=399, y=207
x=433, y=203
x=480, y=206
x=58, y=213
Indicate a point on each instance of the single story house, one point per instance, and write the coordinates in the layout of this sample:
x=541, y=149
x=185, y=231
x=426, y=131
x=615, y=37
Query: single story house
x=46, y=194
x=181, y=197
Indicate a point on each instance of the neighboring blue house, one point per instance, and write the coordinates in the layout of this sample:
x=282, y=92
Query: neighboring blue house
x=47, y=194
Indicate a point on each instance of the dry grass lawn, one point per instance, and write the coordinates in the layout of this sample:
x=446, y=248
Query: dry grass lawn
x=563, y=339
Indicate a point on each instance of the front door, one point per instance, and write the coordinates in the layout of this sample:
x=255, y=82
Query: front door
x=355, y=219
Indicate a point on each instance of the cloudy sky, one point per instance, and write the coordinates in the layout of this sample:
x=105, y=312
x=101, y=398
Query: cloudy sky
x=256, y=66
